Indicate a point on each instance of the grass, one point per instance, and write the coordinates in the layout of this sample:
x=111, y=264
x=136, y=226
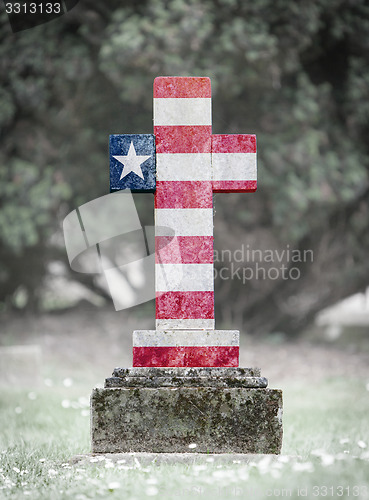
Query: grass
x=325, y=451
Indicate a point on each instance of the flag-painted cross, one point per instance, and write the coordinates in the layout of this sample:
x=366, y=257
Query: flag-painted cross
x=191, y=164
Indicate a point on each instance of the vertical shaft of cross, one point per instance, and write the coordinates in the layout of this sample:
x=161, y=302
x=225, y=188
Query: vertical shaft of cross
x=184, y=203
x=191, y=164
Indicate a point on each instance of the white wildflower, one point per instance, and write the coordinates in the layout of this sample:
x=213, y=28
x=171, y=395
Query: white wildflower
x=199, y=467
x=361, y=444
x=318, y=453
x=340, y=456
x=327, y=460
x=303, y=467
x=152, y=491
x=264, y=464
x=224, y=473
x=277, y=465
x=192, y=446
x=114, y=485
x=83, y=401
x=275, y=473
x=243, y=474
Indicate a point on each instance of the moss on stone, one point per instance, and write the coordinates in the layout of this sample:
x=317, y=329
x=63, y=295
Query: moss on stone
x=218, y=420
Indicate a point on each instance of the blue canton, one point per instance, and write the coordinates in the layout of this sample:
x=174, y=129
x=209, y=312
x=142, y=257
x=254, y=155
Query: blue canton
x=132, y=162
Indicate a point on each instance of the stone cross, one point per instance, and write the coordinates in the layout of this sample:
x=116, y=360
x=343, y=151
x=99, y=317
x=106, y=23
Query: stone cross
x=183, y=163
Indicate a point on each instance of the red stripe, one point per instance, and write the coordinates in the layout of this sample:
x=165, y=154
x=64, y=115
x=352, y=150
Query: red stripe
x=184, y=305
x=236, y=143
x=183, y=139
x=184, y=249
x=184, y=194
x=168, y=86
x=234, y=186
x=186, y=356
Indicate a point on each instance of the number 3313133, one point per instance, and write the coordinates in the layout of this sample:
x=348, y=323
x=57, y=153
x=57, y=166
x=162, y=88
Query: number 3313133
x=33, y=8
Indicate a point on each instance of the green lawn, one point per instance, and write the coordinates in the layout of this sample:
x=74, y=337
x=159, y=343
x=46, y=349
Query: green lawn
x=325, y=451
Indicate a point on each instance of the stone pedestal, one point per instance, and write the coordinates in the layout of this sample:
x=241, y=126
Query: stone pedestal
x=165, y=410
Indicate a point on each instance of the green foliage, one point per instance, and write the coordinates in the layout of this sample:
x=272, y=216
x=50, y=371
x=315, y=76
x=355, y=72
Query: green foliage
x=31, y=198
x=294, y=73
x=267, y=65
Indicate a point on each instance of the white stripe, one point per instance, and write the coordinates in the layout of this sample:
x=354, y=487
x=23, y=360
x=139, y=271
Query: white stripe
x=185, y=324
x=172, y=338
x=234, y=166
x=184, y=221
x=184, y=277
x=182, y=111
x=183, y=167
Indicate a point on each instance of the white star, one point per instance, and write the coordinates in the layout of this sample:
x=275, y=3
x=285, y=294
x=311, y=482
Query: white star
x=132, y=162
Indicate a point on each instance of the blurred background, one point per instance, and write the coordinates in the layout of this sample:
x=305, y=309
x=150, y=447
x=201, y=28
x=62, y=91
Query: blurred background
x=296, y=74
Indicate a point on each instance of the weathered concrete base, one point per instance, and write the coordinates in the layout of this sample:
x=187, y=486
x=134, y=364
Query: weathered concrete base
x=217, y=415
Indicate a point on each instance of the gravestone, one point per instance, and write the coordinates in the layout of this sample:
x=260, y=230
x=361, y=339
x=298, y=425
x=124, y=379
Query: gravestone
x=185, y=391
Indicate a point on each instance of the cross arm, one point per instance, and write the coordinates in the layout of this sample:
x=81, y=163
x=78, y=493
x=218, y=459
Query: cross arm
x=234, y=163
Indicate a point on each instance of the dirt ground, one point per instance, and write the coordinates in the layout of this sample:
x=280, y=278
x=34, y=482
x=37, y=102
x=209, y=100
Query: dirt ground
x=88, y=342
